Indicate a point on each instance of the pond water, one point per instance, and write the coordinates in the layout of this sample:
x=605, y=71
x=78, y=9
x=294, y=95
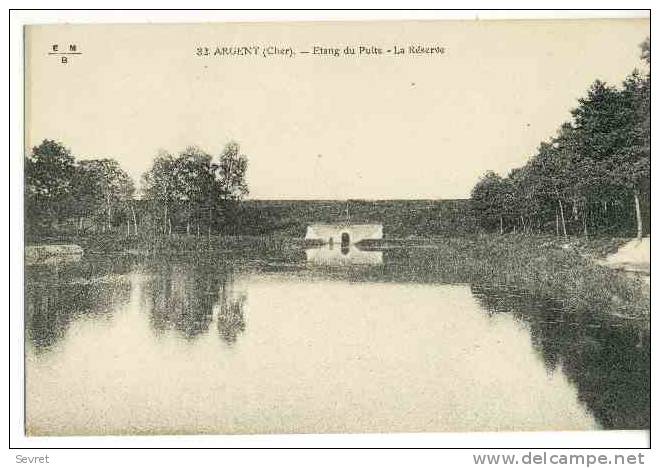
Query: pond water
x=314, y=342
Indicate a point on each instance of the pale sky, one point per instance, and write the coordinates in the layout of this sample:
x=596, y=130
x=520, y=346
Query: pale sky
x=319, y=127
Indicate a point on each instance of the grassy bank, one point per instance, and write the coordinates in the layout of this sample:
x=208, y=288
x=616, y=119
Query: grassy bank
x=541, y=266
x=175, y=244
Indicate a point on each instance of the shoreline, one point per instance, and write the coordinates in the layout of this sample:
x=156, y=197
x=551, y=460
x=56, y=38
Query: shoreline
x=580, y=272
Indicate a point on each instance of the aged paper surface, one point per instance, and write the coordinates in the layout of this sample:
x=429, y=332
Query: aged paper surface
x=395, y=226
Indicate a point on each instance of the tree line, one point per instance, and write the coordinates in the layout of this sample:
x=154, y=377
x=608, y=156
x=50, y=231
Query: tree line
x=192, y=192
x=592, y=177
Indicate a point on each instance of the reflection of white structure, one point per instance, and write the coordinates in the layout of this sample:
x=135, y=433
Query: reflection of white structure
x=344, y=233
x=336, y=255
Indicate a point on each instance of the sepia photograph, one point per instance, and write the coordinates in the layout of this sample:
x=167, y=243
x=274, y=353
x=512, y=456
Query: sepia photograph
x=337, y=227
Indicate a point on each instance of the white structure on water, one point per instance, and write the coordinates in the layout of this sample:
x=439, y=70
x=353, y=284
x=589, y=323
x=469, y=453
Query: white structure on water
x=344, y=234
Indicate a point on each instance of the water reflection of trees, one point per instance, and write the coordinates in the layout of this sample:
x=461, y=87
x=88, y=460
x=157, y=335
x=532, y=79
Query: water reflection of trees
x=184, y=297
x=180, y=296
x=56, y=295
x=607, y=358
x=231, y=317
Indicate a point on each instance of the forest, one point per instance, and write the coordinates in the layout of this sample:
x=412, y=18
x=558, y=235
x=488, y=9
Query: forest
x=591, y=178
x=192, y=192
